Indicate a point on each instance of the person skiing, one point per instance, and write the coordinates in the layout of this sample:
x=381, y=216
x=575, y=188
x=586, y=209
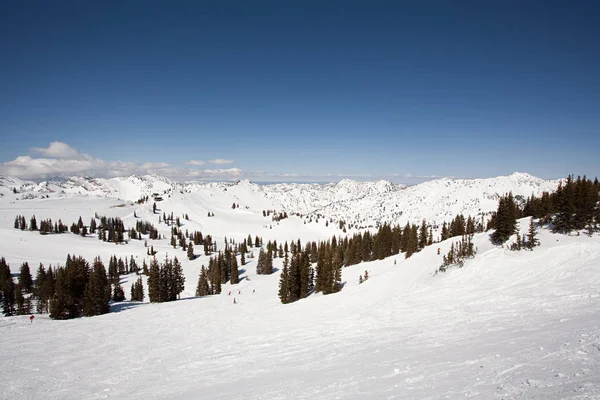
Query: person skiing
x=234, y=302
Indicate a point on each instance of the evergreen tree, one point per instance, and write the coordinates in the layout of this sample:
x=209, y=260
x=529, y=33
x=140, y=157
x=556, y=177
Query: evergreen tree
x=234, y=271
x=154, y=281
x=531, y=236
x=505, y=219
x=118, y=293
x=97, y=291
x=423, y=235
x=7, y=289
x=61, y=303
x=202, y=289
x=190, y=251
x=178, y=279
x=25, y=279
x=283, y=281
x=19, y=299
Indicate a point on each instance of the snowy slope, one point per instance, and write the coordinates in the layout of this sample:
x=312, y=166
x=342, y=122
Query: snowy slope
x=507, y=325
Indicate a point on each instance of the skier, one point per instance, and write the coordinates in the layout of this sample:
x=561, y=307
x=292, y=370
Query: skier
x=234, y=302
x=31, y=319
x=229, y=293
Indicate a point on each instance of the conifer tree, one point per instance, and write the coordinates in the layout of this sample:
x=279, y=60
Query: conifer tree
x=423, y=234
x=97, y=291
x=190, y=251
x=234, y=271
x=33, y=224
x=25, y=279
x=154, y=281
x=283, y=281
x=202, y=289
x=19, y=299
x=7, y=289
x=505, y=219
x=118, y=293
x=179, y=279
x=61, y=304
x=531, y=236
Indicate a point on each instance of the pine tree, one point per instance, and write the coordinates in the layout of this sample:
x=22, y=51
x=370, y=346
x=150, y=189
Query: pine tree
x=531, y=236
x=202, y=289
x=25, y=279
x=234, y=271
x=283, y=281
x=505, y=219
x=60, y=305
x=97, y=291
x=154, y=281
x=178, y=279
x=118, y=293
x=423, y=235
x=190, y=251
x=19, y=299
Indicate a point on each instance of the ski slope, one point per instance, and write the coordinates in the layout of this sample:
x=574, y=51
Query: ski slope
x=507, y=325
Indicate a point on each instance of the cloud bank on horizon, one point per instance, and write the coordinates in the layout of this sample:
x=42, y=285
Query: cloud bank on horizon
x=62, y=160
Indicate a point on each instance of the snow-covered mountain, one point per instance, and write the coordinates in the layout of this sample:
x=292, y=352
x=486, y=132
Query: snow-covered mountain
x=359, y=204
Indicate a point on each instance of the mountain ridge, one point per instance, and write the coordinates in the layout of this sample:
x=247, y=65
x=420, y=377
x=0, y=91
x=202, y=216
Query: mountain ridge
x=357, y=203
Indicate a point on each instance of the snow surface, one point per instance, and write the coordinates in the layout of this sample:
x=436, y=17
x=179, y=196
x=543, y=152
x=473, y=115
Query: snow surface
x=507, y=325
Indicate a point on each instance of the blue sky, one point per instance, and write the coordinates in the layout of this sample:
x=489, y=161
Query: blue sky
x=300, y=90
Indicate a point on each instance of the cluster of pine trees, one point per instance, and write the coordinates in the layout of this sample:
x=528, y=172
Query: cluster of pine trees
x=144, y=228
x=297, y=276
x=264, y=265
x=573, y=206
x=137, y=290
x=142, y=199
x=505, y=219
x=45, y=226
x=526, y=242
x=165, y=280
x=72, y=291
x=110, y=230
x=171, y=220
x=195, y=239
x=459, y=226
x=458, y=253
x=80, y=290
x=221, y=269
x=117, y=267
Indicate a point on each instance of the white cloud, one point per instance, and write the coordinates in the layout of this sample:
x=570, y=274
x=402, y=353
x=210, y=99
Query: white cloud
x=231, y=173
x=197, y=163
x=59, y=150
x=62, y=160
x=220, y=161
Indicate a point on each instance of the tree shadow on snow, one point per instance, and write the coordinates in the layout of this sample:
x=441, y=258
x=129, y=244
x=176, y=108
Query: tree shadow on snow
x=124, y=306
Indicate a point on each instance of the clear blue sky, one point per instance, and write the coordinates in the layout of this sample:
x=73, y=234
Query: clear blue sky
x=369, y=88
